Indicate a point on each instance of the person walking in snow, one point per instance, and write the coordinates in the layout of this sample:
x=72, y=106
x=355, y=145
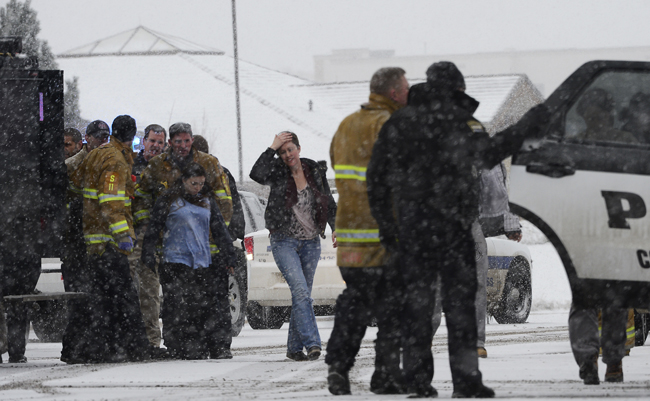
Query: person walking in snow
x=300, y=206
x=424, y=167
x=189, y=217
x=373, y=283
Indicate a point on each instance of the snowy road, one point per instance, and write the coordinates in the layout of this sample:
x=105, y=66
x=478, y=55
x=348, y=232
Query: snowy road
x=525, y=360
x=528, y=360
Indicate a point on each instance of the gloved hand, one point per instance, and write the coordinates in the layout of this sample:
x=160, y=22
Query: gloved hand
x=389, y=242
x=533, y=126
x=126, y=245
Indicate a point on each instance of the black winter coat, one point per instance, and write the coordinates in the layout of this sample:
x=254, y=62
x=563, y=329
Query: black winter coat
x=237, y=227
x=269, y=170
x=429, y=153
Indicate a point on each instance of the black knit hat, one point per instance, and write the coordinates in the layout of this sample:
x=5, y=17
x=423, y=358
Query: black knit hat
x=124, y=128
x=444, y=75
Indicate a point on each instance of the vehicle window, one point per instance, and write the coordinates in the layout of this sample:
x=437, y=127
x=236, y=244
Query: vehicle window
x=253, y=212
x=614, y=108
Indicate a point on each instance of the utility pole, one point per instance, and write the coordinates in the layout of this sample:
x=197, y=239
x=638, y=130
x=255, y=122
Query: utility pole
x=239, y=143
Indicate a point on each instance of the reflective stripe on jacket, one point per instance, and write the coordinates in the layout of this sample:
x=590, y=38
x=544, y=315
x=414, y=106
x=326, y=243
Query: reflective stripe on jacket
x=356, y=230
x=105, y=179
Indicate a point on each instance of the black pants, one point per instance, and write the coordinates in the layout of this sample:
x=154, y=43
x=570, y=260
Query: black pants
x=196, y=311
x=77, y=278
x=430, y=247
x=19, y=277
x=115, y=331
x=370, y=292
x=20, y=267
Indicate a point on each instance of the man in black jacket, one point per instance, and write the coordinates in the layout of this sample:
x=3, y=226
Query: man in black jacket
x=425, y=163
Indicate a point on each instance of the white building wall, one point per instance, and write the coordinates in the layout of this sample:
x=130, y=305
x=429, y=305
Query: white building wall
x=547, y=69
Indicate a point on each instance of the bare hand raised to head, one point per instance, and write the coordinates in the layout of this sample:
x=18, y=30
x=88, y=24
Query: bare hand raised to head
x=280, y=139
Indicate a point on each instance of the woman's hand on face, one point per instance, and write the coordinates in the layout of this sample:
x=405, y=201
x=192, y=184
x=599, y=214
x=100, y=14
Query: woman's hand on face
x=280, y=139
x=334, y=242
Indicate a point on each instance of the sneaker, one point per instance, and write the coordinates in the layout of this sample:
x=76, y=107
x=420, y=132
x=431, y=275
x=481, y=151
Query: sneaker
x=475, y=391
x=338, y=382
x=222, y=353
x=313, y=353
x=589, y=371
x=18, y=359
x=482, y=352
x=297, y=356
x=614, y=373
x=426, y=391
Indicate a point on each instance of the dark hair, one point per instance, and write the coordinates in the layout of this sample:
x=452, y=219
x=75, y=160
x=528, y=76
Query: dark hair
x=385, y=79
x=179, y=128
x=192, y=169
x=73, y=133
x=155, y=128
x=177, y=190
x=294, y=140
x=201, y=144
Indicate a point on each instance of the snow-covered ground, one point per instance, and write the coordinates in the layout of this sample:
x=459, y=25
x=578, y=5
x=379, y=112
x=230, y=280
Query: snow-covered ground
x=525, y=360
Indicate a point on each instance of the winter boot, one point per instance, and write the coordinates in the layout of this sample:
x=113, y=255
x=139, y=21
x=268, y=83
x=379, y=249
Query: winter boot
x=614, y=373
x=589, y=371
x=482, y=352
x=426, y=391
x=338, y=382
x=383, y=382
x=478, y=390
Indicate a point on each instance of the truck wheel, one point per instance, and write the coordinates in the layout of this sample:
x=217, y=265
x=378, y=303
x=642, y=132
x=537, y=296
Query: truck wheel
x=49, y=319
x=264, y=317
x=517, y=297
x=641, y=326
x=238, y=293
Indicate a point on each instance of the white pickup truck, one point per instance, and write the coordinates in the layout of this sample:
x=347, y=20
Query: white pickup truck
x=269, y=298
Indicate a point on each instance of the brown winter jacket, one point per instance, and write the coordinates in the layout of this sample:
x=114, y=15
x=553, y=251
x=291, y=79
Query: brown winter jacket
x=357, y=231
x=105, y=179
x=162, y=172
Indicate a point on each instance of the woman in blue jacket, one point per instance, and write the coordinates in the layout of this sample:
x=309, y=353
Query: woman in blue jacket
x=189, y=218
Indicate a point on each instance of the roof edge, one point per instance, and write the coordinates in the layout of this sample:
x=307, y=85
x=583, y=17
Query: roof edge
x=147, y=53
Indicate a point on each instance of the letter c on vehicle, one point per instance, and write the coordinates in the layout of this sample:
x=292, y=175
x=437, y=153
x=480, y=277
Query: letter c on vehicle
x=643, y=258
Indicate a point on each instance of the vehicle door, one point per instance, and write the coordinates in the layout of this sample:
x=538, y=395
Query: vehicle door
x=588, y=183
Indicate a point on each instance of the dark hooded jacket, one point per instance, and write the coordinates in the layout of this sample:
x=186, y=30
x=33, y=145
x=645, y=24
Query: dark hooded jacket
x=270, y=170
x=429, y=153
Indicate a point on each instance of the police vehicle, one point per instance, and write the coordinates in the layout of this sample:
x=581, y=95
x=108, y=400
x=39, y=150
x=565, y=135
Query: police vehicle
x=586, y=183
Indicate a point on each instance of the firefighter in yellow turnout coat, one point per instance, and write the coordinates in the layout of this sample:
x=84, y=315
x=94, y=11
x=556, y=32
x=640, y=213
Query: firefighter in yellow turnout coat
x=372, y=281
x=117, y=331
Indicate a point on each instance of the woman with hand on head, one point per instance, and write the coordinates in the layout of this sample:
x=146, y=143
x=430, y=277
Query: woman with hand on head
x=189, y=217
x=299, y=207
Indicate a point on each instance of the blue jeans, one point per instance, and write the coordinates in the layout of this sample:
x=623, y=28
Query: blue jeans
x=297, y=260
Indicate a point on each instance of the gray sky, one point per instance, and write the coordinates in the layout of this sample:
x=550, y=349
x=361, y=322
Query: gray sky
x=286, y=34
